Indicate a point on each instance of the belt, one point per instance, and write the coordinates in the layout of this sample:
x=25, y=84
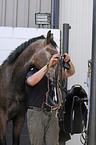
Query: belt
x=39, y=109
x=45, y=110
x=34, y=108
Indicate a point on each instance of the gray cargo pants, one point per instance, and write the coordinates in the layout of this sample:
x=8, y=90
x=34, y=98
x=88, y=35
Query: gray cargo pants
x=42, y=127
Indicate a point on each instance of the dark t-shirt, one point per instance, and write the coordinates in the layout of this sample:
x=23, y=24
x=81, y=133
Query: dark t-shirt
x=37, y=94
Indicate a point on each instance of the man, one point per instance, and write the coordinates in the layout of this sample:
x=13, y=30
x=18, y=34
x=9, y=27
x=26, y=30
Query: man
x=43, y=126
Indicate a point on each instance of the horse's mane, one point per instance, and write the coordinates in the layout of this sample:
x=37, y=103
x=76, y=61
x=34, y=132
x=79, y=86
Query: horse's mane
x=14, y=55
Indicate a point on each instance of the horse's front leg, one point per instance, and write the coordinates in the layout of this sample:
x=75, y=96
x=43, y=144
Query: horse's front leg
x=17, y=127
x=2, y=129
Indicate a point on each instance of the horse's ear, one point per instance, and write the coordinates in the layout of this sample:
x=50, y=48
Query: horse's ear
x=49, y=36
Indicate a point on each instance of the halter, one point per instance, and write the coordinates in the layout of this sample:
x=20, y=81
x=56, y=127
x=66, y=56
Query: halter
x=59, y=85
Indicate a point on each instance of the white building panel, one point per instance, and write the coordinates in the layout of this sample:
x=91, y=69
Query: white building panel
x=5, y=32
x=78, y=14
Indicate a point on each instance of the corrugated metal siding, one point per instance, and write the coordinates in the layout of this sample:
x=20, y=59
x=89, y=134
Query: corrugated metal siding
x=78, y=13
x=21, y=13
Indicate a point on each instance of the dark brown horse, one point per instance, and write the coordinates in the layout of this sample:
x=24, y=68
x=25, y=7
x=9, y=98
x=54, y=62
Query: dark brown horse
x=35, y=52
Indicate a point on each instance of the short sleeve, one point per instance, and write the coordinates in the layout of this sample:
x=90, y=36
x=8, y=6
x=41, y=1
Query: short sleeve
x=30, y=73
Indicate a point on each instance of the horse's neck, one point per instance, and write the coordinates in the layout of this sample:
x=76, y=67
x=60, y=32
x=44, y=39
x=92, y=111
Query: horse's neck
x=21, y=67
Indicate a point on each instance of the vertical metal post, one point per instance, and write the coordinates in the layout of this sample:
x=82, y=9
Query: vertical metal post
x=17, y=13
x=5, y=12
x=53, y=14
x=92, y=116
x=51, y=25
x=28, y=12
x=66, y=28
x=56, y=14
x=40, y=7
x=65, y=47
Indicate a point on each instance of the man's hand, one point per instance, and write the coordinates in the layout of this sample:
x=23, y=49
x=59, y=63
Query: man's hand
x=67, y=57
x=54, y=59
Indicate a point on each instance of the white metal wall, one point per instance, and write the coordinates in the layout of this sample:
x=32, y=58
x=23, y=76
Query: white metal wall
x=78, y=13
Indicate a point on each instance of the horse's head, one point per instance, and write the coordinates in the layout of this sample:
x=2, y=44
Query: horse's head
x=41, y=51
x=46, y=49
x=34, y=52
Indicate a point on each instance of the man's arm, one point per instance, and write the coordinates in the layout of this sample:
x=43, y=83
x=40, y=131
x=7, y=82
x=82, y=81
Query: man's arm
x=71, y=71
x=36, y=77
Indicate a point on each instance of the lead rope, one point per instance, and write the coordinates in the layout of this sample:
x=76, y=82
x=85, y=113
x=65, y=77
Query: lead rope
x=47, y=94
x=58, y=89
x=56, y=107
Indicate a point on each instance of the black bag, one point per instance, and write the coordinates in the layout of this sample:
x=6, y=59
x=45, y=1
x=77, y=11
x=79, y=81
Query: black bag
x=73, y=113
